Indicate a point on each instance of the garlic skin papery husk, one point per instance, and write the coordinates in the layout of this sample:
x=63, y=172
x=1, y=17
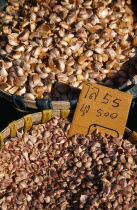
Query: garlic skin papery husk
x=43, y=169
x=66, y=42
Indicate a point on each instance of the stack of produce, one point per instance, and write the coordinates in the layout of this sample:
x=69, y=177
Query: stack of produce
x=65, y=41
x=43, y=169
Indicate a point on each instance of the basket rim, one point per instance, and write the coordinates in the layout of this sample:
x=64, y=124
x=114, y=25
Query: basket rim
x=32, y=104
x=44, y=116
x=27, y=121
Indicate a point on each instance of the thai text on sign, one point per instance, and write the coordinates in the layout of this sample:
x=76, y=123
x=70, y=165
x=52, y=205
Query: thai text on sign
x=101, y=108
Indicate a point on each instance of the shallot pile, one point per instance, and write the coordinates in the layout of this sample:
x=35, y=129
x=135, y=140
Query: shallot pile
x=65, y=41
x=43, y=169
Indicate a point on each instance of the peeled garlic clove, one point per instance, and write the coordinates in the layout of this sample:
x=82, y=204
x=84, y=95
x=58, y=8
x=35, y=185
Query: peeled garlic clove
x=113, y=25
x=24, y=36
x=82, y=59
x=102, y=12
x=32, y=27
x=43, y=75
x=29, y=96
x=104, y=71
x=36, y=51
x=6, y=30
x=17, y=62
x=130, y=160
x=86, y=75
x=47, y=199
x=43, y=29
x=83, y=198
x=41, y=13
x=6, y=19
x=124, y=44
x=33, y=16
x=93, y=29
x=72, y=78
x=41, y=90
x=47, y=41
x=69, y=70
x=120, y=57
x=81, y=34
x=62, y=77
x=13, y=90
x=12, y=39
x=17, y=55
x=97, y=57
x=3, y=72
x=5, y=86
x=35, y=80
x=26, y=56
x=68, y=51
x=20, y=48
x=55, y=53
x=88, y=53
x=122, y=158
x=75, y=84
x=28, y=197
x=98, y=66
x=130, y=19
x=19, y=71
x=94, y=20
x=80, y=77
x=110, y=64
x=7, y=64
x=4, y=206
x=111, y=53
x=134, y=42
x=21, y=91
x=19, y=81
x=98, y=50
x=2, y=52
x=9, y=48
x=60, y=64
x=49, y=88
x=84, y=16
x=25, y=154
x=105, y=57
x=71, y=18
x=33, y=60
x=2, y=175
x=26, y=67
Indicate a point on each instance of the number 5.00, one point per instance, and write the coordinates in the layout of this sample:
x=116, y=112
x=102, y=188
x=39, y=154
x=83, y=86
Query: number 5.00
x=100, y=113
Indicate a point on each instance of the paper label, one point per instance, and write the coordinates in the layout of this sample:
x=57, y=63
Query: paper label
x=101, y=108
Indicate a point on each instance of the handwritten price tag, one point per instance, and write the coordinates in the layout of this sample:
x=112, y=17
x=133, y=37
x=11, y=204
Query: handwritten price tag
x=101, y=108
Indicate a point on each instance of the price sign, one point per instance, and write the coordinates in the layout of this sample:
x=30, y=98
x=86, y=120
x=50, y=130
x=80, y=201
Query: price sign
x=101, y=108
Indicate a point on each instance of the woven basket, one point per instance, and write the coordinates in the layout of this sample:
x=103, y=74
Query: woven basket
x=42, y=117
x=27, y=121
x=30, y=106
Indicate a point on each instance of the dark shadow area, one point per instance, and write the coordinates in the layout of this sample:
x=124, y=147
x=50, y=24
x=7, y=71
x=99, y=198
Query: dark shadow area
x=8, y=113
x=63, y=92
